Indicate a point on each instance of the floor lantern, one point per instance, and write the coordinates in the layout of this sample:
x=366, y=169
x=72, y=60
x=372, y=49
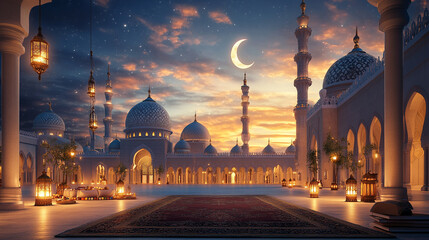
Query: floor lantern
x=120, y=187
x=351, y=189
x=314, y=188
x=290, y=185
x=43, y=190
x=368, y=187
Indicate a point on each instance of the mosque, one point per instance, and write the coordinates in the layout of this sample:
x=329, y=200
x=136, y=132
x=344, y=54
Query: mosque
x=351, y=106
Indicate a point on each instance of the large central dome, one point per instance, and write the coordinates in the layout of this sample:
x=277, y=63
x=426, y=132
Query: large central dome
x=346, y=69
x=148, y=114
x=195, y=131
x=49, y=121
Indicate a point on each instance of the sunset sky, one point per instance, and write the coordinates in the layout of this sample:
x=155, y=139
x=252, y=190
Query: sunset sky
x=182, y=50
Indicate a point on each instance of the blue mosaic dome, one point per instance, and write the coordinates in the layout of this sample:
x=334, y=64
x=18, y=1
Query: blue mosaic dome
x=48, y=121
x=268, y=150
x=182, y=147
x=148, y=114
x=348, y=68
x=195, y=131
x=236, y=150
x=210, y=149
x=115, y=146
x=291, y=149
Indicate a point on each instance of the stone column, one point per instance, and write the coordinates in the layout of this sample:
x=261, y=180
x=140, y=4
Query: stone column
x=11, y=38
x=393, y=18
x=425, y=186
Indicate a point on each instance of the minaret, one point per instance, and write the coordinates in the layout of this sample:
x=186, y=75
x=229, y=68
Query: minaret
x=245, y=135
x=108, y=107
x=302, y=82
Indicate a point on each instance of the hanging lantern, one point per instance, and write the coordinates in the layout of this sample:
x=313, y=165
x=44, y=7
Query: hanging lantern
x=93, y=125
x=43, y=190
x=120, y=187
x=351, y=189
x=368, y=187
x=91, y=85
x=314, y=189
x=284, y=183
x=39, y=54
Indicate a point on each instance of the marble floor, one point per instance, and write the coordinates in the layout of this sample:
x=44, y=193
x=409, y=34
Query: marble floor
x=44, y=222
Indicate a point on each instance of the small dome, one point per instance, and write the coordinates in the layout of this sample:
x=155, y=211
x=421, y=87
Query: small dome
x=182, y=147
x=291, y=149
x=79, y=148
x=195, y=132
x=236, y=150
x=210, y=149
x=268, y=150
x=99, y=141
x=49, y=121
x=346, y=69
x=148, y=114
x=115, y=146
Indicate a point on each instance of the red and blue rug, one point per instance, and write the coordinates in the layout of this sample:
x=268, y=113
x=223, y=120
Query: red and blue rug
x=221, y=216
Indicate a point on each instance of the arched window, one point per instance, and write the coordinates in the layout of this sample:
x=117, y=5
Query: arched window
x=140, y=134
x=147, y=134
x=153, y=134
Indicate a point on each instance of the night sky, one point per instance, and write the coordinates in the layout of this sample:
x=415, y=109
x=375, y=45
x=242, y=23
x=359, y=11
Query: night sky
x=182, y=50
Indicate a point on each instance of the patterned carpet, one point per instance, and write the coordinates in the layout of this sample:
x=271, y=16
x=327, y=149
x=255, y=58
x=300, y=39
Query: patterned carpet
x=221, y=216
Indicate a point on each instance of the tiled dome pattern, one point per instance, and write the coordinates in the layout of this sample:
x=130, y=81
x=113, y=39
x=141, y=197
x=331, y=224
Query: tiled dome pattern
x=268, y=150
x=290, y=149
x=348, y=68
x=210, y=149
x=49, y=121
x=195, y=131
x=148, y=114
x=236, y=150
x=182, y=147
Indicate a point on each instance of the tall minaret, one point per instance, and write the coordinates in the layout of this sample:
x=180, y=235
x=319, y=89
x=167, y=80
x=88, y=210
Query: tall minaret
x=108, y=107
x=302, y=82
x=245, y=135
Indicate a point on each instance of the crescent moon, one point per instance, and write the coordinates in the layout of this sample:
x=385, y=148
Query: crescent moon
x=234, y=56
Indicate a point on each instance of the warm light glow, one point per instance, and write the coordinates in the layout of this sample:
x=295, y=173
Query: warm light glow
x=72, y=153
x=376, y=155
x=73, y=182
x=39, y=54
x=314, y=188
x=234, y=56
x=334, y=158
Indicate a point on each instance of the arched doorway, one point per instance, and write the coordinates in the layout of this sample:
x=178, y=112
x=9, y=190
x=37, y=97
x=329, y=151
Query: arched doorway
x=170, y=176
x=143, y=170
x=21, y=169
x=415, y=114
x=375, y=139
x=179, y=176
x=188, y=175
x=111, y=177
x=350, y=148
x=250, y=176
x=361, y=141
x=314, y=146
x=100, y=173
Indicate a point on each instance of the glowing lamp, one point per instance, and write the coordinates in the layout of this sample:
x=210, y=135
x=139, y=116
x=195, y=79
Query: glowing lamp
x=39, y=54
x=284, y=183
x=91, y=86
x=314, y=188
x=93, y=125
x=293, y=182
x=120, y=187
x=159, y=181
x=351, y=189
x=290, y=185
x=368, y=187
x=43, y=190
x=334, y=186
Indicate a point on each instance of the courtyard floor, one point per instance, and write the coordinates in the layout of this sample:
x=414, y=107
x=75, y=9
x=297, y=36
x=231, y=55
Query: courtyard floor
x=45, y=222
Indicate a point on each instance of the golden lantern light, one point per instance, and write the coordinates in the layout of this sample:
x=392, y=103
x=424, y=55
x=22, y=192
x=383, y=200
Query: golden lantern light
x=93, y=125
x=334, y=185
x=368, y=187
x=43, y=190
x=351, y=189
x=120, y=188
x=284, y=183
x=91, y=84
x=293, y=182
x=159, y=181
x=314, y=188
x=290, y=185
x=39, y=50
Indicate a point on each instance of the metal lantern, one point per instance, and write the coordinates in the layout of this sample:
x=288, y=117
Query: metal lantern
x=284, y=183
x=120, y=187
x=334, y=186
x=91, y=85
x=290, y=185
x=314, y=188
x=93, y=125
x=351, y=189
x=368, y=187
x=39, y=54
x=43, y=190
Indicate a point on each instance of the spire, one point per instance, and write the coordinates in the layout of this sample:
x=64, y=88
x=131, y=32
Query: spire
x=356, y=39
x=236, y=141
x=210, y=141
x=268, y=141
x=302, y=7
x=108, y=83
x=148, y=92
x=245, y=80
x=195, y=116
x=50, y=105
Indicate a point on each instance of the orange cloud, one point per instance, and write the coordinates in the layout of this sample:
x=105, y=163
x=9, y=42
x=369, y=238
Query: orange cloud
x=336, y=14
x=187, y=11
x=219, y=17
x=129, y=67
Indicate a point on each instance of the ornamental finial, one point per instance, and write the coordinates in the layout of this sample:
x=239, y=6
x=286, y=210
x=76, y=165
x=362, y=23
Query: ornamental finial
x=268, y=141
x=303, y=7
x=245, y=79
x=50, y=105
x=356, y=39
x=148, y=92
x=236, y=141
x=195, y=116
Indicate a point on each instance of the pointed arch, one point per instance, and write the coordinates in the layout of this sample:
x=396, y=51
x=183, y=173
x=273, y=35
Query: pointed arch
x=415, y=114
x=361, y=143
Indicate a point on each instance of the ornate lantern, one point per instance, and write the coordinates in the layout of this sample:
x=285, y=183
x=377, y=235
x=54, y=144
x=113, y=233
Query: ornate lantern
x=91, y=84
x=290, y=184
x=120, y=187
x=43, y=190
x=334, y=185
x=293, y=182
x=314, y=188
x=284, y=183
x=39, y=54
x=368, y=187
x=351, y=189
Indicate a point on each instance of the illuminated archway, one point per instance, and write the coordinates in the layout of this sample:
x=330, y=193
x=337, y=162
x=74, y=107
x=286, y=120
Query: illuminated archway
x=375, y=138
x=100, y=173
x=361, y=141
x=142, y=167
x=415, y=114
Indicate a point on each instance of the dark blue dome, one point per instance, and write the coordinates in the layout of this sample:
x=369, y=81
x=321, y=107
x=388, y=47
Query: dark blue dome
x=148, y=114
